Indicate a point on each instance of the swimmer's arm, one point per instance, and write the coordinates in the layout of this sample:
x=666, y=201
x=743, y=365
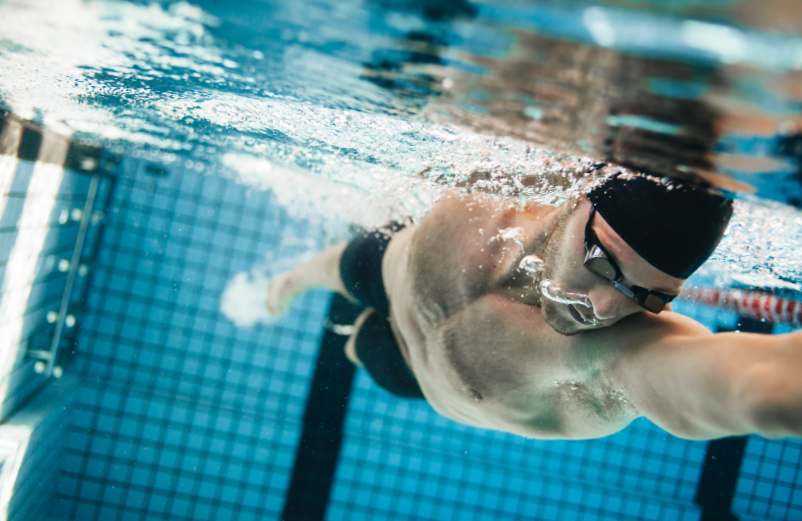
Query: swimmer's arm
x=700, y=385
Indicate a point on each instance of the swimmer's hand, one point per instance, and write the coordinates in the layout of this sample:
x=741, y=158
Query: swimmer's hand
x=252, y=298
x=281, y=291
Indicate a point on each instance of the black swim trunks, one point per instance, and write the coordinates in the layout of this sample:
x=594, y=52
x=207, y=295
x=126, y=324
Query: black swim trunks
x=376, y=346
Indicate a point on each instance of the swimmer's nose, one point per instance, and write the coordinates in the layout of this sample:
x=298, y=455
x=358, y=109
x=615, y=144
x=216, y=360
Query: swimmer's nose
x=609, y=304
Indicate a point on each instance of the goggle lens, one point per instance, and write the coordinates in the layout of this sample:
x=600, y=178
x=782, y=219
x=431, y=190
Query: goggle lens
x=602, y=267
x=652, y=302
x=597, y=262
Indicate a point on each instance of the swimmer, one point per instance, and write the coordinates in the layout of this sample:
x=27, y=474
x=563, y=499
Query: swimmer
x=566, y=331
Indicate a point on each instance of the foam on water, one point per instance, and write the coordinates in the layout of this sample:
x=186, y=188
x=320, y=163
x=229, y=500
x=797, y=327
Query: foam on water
x=761, y=246
x=244, y=300
x=50, y=54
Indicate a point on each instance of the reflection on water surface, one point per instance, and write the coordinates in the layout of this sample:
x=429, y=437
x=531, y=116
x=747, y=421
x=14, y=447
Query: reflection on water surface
x=376, y=104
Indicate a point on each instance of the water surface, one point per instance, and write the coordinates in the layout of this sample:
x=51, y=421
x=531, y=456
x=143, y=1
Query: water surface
x=360, y=110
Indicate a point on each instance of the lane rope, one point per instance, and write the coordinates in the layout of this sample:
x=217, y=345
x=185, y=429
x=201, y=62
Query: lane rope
x=753, y=304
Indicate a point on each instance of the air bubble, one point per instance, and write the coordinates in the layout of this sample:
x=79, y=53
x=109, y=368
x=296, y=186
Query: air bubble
x=532, y=265
x=513, y=234
x=554, y=293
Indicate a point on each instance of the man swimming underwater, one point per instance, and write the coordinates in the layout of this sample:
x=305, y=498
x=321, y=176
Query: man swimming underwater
x=550, y=322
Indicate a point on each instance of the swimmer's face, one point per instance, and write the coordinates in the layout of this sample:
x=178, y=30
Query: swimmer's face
x=581, y=300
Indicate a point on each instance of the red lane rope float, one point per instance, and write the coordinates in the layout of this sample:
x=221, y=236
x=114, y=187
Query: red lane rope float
x=753, y=304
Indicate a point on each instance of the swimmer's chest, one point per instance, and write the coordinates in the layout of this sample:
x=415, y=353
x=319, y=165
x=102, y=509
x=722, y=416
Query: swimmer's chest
x=507, y=387
x=486, y=387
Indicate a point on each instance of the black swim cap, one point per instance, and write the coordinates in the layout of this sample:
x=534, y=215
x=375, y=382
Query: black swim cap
x=674, y=225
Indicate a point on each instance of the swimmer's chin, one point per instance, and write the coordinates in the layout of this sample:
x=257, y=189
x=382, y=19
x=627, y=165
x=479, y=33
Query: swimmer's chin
x=569, y=328
x=575, y=330
x=559, y=323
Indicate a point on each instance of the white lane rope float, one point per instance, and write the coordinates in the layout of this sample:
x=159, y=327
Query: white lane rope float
x=759, y=305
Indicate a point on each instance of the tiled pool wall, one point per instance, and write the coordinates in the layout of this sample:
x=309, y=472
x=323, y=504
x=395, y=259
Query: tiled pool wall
x=181, y=414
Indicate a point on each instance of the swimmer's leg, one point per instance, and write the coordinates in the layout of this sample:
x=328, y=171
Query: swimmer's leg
x=321, y=271
x=374, y=347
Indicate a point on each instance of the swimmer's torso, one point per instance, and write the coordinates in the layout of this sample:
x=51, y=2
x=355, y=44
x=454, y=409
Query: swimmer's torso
x=473, y=367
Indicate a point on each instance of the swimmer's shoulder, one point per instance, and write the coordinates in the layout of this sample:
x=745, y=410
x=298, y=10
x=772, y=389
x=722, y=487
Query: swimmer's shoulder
x=450, y=258
x=644, y=328
x=425, y=262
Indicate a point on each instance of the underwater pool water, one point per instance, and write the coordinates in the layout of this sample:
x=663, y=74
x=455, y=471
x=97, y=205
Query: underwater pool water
x=247, y=135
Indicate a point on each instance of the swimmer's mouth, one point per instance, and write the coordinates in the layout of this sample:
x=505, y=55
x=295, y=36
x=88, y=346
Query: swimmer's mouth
x=578, y=316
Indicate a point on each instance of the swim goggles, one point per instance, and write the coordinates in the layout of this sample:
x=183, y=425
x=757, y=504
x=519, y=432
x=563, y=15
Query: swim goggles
x=599, y=262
